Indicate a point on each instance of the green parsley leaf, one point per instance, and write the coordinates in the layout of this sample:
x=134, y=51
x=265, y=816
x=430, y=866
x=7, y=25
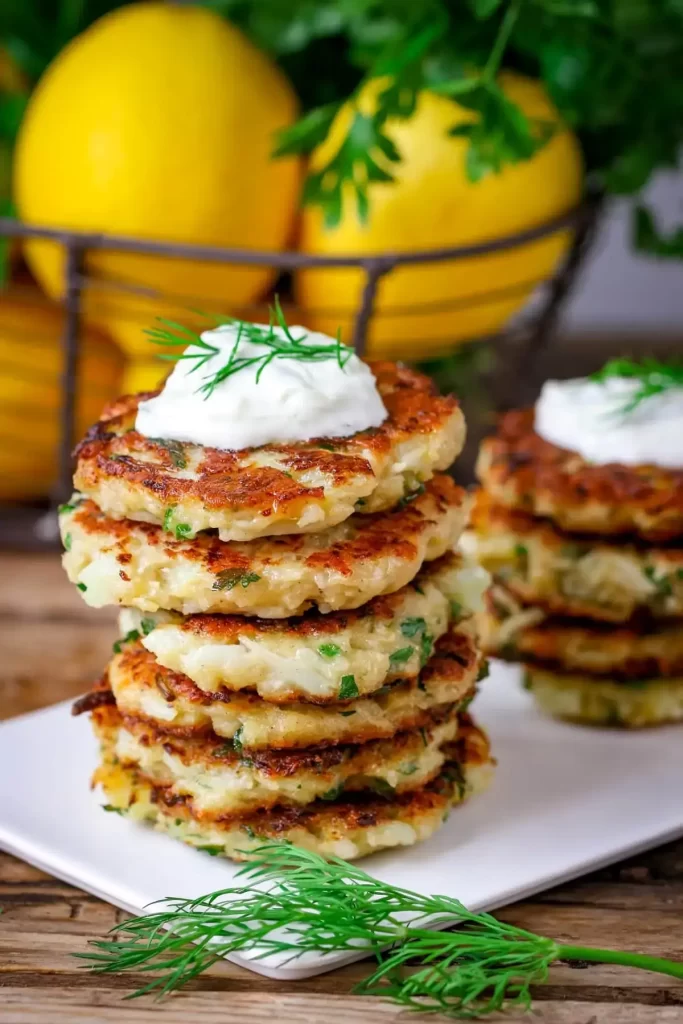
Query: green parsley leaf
x=380, y=786
x=113, y=810
x=184, y=531
x=175, y=449
x=412, y=627
x=401, y=656
x=213, y=851
x=662, y=584
x=69, y=506
x=168, y=516
x=237, y=740
x=347, y=714
x=426, y=648
x=329, y=650
x=67, y=542
x=456, y=610
x=348, y=688
x=484, y=670
x=147, y=625
x=82, y=587
x=131, y=636
x=333, y=793
x=226, y=579
x=408, y=498
x=454, y=773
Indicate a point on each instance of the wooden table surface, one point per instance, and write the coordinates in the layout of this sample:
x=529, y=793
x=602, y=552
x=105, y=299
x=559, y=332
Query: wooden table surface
x=51, y=646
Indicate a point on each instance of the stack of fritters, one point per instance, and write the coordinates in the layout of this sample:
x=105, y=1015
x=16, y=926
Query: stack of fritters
x=297, y=648
x=587, y=563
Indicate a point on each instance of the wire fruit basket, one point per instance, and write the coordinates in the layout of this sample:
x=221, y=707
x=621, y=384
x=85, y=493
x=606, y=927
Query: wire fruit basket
x=515, y=347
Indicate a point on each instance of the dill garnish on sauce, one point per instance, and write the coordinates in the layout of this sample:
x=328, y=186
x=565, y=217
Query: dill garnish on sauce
x=275, y=345
x=653, y=376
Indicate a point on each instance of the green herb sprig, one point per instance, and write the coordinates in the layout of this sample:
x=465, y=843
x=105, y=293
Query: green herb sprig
x=173, y=335
x=654, y=376
x=292, y=901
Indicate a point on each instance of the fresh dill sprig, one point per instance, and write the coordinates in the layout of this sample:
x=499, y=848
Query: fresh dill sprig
x=654, y=377
x=176, y=336
x=293, y=901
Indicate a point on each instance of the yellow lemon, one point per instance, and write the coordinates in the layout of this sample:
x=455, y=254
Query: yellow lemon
x=30, y=389
x=158, y=122
x=424, y=310
x=143, y=375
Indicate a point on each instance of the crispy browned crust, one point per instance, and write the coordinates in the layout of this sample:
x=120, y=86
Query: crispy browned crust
x=211, y=750
x=352, y=810
x=227, y=628
x=486, y=516
x=522, y=471
x=231, y=480
x=635, y=651
x=100, y=696
x=455, y=658
x=456, y=661
x=381, y=535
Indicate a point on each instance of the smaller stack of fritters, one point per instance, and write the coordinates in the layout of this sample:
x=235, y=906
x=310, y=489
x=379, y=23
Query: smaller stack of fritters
x=587, y=562
x=297, y=653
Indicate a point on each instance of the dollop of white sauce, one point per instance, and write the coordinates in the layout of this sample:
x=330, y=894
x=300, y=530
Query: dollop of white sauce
x=294, y=400
x=589, y=417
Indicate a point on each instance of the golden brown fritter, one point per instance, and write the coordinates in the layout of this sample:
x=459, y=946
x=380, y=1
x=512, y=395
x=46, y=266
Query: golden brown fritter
x=220, y=782
x=595, y=700
x=522, y=471
x=516, y=632
x=576, y=576
x=309, y=657
x=277, y=489
x=350, y=827
x=143, y=689
x=119, y=561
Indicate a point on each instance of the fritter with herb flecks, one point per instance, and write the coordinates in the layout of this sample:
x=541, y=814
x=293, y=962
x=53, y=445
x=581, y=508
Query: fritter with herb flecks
x=595, y=700
x=218, y=781
x=350, y=826
x=577, y=576
x=142, y=688
x=310, y=657
x=304, y=487
x=513, y=631
x=522, y=471
x=138, y=565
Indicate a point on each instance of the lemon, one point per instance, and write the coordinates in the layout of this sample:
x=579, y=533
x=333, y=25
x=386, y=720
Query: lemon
x=158, y=122
x=31, y=389
x=143, y=375
x=433, y=204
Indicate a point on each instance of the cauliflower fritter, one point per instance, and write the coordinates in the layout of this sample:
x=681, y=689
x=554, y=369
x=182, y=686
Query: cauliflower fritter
x=522, y=471
x=119, y=561
x=302, y=487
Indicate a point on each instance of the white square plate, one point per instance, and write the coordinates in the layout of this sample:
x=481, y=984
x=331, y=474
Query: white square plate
x=565, y=800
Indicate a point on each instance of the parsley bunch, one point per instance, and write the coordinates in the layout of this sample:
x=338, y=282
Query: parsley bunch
x=614, y=69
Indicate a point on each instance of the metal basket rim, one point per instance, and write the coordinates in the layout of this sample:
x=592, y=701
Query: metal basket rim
x=292, y=259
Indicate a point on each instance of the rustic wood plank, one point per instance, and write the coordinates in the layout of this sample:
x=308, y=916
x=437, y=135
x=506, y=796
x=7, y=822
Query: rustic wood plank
x=100, y=1006
x=35, y=587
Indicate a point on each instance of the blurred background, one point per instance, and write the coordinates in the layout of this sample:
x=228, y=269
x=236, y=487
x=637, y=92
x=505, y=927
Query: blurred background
x=486, y=188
